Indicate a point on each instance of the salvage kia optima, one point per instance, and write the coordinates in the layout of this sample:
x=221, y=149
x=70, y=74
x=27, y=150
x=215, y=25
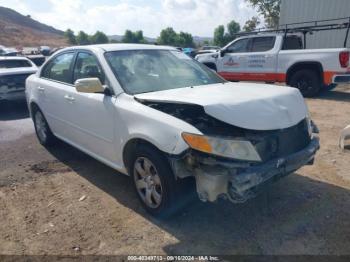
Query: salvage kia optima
x=161, y=117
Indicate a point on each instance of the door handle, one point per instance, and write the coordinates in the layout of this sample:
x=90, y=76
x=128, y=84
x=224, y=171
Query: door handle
x=69, y=98
x=41, y=89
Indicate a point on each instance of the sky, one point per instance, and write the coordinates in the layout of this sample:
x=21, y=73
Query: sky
x=198, y=17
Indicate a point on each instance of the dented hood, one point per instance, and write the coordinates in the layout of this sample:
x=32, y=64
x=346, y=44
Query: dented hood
x=246, y=105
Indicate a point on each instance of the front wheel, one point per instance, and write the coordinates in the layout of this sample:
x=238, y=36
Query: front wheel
x=307, y=81
x=154, y=181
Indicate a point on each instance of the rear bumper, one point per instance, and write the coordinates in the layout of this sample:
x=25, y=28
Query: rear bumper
x=341, y=78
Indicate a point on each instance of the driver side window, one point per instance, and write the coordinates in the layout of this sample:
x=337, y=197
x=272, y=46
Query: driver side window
x=240, y=46
x=87, y=66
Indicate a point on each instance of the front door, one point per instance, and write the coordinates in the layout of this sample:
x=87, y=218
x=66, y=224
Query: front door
x=233, y=63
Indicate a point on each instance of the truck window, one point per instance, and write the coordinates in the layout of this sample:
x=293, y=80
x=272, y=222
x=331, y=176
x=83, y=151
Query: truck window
x=240, y=46
x=263, y=44
x=292, y=43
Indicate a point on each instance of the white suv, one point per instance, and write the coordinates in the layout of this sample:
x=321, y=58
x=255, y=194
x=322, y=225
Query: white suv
x=158, y=115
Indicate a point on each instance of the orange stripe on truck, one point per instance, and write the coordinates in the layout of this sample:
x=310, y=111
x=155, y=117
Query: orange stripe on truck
x=269, y=77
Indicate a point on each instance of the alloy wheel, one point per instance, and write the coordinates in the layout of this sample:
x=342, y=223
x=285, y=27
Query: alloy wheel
x=147, y=181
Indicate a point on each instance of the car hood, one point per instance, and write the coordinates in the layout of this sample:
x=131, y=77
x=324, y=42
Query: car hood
x=246, y=105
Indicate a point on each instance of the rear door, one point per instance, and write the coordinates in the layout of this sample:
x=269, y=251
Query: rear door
x=262, y=59
x=55, y=80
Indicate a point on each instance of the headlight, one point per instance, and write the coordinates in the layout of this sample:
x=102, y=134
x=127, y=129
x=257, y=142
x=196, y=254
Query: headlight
x=237, y=149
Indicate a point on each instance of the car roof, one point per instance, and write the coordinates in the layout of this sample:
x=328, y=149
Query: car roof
x=120, y=47
x=2, y=58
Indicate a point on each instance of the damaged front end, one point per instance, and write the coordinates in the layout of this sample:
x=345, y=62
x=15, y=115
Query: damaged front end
x=280, y=152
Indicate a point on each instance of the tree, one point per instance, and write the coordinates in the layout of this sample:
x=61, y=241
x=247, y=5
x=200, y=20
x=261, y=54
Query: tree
x=219, y=36
x=69, y=35
x=99, y=38
x=269, y=9
x=167, y=37
x=251, y=24
x=133, y=37
x=233, y=28
x=184, y=40
x=83, y=38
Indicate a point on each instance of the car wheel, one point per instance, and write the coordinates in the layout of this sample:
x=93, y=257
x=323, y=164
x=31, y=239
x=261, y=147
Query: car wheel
x=307, y=81
x=154, y=181
x=42, y=129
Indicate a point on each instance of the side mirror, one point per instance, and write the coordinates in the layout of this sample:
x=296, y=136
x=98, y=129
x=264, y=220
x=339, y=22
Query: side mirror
x=89, y=85
x=222, y=52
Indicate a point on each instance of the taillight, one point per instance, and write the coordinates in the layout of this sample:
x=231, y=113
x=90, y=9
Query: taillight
x=344, y=59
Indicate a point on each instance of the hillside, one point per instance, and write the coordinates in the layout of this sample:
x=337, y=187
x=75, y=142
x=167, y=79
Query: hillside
x=19, y=30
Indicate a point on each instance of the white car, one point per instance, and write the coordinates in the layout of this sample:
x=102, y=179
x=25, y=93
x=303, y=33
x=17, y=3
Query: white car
x=14, y=71
x=161, y=117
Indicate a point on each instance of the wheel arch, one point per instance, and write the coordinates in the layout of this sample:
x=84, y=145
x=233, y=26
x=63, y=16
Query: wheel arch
x=32, y=107
x=130, y=148
x=311, y=65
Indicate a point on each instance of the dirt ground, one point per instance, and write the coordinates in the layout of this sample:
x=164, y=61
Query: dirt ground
x=62, y=202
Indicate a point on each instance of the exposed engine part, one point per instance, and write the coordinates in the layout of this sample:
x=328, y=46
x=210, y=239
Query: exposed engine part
x=269, y=144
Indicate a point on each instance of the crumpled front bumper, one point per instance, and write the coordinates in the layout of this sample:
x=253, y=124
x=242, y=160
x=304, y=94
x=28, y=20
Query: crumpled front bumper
x=245, y=184
x=239, y=181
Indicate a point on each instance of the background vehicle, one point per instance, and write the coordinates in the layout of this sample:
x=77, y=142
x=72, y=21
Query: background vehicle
x=13, y=73
x=8, y=51
x=208, y=49
x=156, y=114
x=279, y=56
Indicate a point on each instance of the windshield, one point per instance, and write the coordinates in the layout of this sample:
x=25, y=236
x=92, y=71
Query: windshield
x=142, y=71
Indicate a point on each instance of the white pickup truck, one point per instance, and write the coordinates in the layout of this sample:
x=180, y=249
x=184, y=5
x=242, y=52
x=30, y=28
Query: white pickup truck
x=274, y=57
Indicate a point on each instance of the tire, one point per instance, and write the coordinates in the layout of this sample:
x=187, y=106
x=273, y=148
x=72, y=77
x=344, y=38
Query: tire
x=154, y=181
x=307, y=81
x=42, y=129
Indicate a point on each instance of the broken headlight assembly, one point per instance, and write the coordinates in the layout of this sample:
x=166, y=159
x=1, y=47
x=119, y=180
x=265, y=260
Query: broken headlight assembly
x=236, y=149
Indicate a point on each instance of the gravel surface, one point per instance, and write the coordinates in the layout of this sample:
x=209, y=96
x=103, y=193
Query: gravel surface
x=62, y=202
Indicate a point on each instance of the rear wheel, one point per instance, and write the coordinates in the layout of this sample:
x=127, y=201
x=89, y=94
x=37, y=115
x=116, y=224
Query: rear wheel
x=307, y=81
x=154, y=181
x=42, y=129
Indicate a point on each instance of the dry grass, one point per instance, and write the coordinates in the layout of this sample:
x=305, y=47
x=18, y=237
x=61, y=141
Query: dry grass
x=20, y=36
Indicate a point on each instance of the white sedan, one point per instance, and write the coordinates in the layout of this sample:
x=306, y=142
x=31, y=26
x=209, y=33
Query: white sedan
x=161, y=117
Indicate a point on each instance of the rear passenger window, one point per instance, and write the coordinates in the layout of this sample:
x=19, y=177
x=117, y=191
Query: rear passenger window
x=59, y=68
x=262, y=44
x=87, y=66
